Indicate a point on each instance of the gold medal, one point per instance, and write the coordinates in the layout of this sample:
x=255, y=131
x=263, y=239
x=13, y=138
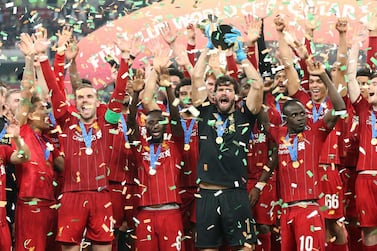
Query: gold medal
x=89, y=151
x=374, y=141
x=127, y=145
x=152, y=171
x=219, y=140
x=186, y=147
x=295, y=164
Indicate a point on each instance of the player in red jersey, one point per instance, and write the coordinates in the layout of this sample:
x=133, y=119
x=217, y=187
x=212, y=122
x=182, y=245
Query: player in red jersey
x=304, y=190
x=8, y=155
x=86, y=139
x=159, y=223
x=36, y=203
x=365, y=186
x=187, y=182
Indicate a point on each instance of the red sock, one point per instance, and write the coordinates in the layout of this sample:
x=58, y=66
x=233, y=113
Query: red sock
x=354, y=238
x=265, y=239
x=370, y=248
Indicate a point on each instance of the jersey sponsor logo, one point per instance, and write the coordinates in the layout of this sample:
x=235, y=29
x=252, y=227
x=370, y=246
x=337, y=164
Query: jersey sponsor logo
x=259, y=138
x=162, y=155
x=283, y=149
x=78, y=136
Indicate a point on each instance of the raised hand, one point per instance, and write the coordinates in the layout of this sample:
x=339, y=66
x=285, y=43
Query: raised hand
x=64, y=36
x=26, y=44
x=182, y=58
x=315, y=68
x=341, y=25
x=161, y=59
x=167, y=34
x=13, y=130
x=253, y=29
x=191, y=33
x=72, y=49
x=138, y=81
x=41, y=43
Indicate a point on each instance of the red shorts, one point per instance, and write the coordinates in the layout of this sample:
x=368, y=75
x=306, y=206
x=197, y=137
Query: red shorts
x=264, y=212
x=124, y=203
x=89, y=209
x=302, y=228
x=331, y=199
x=35, y=226
x=349, y=179
x=5, y=240
x=366, y=199
x=159, y=230
x=188, y=205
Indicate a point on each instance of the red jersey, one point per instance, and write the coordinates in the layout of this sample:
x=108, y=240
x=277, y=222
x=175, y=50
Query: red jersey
x=190, y=157
x=349, y=143
x=122, y=161
x=367, y=151
x=5, y=153
x=162, y=186
x=315, y=112
x=299, y=182
x=82, y=171
x=35, y=177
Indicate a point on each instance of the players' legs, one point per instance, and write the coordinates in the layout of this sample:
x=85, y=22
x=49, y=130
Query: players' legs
x=102, y=247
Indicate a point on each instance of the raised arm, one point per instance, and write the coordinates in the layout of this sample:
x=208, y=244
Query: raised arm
x=286, y=57
x=160, y=61
x=26, y=46
x=137, y=87
x=331, y=117
x=341, y=59
x=352, y=84
x=372, y=53
x=175, y=117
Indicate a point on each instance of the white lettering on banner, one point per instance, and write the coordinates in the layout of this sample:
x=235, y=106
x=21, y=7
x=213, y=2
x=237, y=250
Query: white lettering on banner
x=296, y=8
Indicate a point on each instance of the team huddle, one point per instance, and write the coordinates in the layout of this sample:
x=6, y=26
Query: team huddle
x=224, y=149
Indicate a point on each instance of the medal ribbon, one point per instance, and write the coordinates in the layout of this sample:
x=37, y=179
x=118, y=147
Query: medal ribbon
x=374, y=130
x=277, y=106
x=42, y=143
x=124, y=128
x=292, y=149
x=87, y=136
x=187, y=130
x=154, y=156
x=2, y=133
x=316, y=113
x=220, y=127
x=52, y=118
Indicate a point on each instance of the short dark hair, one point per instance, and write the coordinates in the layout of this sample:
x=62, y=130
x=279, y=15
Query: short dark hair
x=373, y=75
x=175, y=72
x=34, y=99
x=364, y=72
x=290, y=102
x=185, y=81
x=227, y=80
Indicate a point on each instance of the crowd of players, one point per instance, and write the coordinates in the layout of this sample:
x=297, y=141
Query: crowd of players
x=198, y=156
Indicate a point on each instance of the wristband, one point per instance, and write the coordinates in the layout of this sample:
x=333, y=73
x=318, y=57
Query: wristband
x=260, y=185
x=112, y=117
